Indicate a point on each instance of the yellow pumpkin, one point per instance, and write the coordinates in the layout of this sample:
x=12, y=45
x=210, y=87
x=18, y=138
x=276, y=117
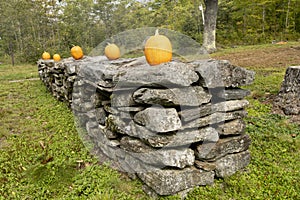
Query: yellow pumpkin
x=46, y=56
x=56, y=57
x=112, y=51
x=158, y=49
x=76, y=52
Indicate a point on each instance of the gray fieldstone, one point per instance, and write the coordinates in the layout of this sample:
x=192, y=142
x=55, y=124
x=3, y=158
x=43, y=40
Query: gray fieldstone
x=223, y=147
x=164, y=75
x=220, y=73
x=188, y=96
x=207, y=109
x=233, y=94
x=172, y=181
x=233, y=127
x=215, y=118
x=159, y=119
x=230, y=164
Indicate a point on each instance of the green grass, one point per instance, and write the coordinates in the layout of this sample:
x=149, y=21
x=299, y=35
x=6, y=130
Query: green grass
x=224, y=51
x=42, y=156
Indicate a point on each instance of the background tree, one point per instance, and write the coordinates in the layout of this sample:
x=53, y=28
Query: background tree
x=210, y=24
x=29, y=27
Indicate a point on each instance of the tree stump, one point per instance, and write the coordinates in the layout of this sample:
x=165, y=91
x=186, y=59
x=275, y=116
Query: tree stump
x=288, y=98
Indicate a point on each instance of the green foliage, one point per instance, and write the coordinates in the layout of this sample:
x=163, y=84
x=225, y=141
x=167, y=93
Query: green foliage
x=29, y=27
x=259, y=21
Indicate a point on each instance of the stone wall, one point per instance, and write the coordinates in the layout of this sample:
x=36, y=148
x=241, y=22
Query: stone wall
x=175, y=126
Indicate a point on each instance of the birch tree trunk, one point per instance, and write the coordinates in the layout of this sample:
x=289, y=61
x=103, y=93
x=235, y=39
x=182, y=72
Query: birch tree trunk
x=210, y=22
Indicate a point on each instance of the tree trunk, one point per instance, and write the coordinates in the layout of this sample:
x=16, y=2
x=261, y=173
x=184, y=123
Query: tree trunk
x=210, y=22
x=11, y=53
x=288, y=98
x=287, y=16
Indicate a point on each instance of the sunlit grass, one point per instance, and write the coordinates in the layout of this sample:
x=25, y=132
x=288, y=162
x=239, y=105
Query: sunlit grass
x=8, y=72
x=249, y=48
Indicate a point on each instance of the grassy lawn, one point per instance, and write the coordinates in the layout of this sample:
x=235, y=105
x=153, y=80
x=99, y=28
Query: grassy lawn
x=42, y=156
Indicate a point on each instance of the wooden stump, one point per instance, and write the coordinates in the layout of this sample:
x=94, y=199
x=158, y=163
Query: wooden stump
x=288, y=98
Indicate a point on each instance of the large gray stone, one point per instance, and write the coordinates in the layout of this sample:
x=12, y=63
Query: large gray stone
x=159, y=119
x=116, y=124
x=176, y=139
x=149, y=137
x=223, y=147
x=232, y=163
x=206, y=166
x=188, y=96
x=134, y=145
x=122, y=99
x=215, y=118
x=233, y=94
x=164, y=75
x=99, y=73
x=220, y=73
x=233, y=127
x=207, y=109
x=172, y=181
x=165, y=157
x=189, y=137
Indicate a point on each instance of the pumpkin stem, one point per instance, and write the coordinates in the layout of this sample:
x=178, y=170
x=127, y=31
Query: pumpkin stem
x=156, y=32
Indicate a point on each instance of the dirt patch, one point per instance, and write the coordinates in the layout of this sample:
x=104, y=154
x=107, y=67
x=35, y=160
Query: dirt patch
x=275, y=56
x=272, y=56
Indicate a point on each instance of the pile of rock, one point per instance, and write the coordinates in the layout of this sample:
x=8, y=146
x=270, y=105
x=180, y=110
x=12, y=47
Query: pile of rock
x=288, y=98
x=175, y=126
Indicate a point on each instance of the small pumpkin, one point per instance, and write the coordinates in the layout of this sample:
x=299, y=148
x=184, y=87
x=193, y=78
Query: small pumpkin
x=46, y=56
x=158, y=49
x=56, y=57
x=76, y=52
x=112, y=51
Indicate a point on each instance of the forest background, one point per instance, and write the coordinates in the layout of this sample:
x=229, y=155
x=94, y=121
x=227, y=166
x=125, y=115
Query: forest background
x=30, y=27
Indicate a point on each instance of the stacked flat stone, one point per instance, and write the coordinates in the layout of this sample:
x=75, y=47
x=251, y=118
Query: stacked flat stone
x=59, y=77
x=175, y=126
x=288, y=98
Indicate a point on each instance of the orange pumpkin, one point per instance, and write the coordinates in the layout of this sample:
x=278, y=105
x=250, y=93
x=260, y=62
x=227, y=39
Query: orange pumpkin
x=56, y=57
x=112, y=51
x=158, y=49
x=46, y=56
x=76, y=52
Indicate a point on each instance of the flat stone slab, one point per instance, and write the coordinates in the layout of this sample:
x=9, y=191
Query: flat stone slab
x=215, y=118
x=233, y=94
x=233, y=127
x=188, y=96
x=165, y=75
x=172, y=181
x=223, y=147
x=160, y=158
x=159, y=119
x=220, y=73
x=232, y=163
x=207, y=109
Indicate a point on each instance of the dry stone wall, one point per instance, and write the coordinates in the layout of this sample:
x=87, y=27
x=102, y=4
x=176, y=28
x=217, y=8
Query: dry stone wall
x=175, y=126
